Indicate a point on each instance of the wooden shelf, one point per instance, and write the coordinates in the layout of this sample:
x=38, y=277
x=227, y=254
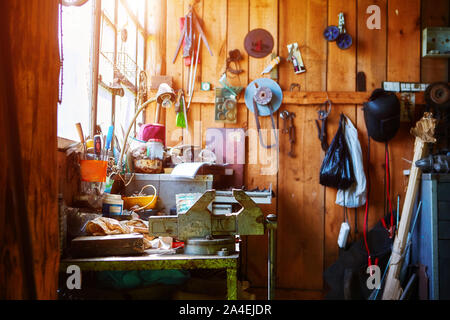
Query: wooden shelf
x=306, y=98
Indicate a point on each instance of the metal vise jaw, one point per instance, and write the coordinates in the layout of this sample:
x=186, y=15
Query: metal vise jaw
x=199, y=222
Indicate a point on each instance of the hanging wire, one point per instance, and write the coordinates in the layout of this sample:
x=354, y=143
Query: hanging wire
x=61, y=54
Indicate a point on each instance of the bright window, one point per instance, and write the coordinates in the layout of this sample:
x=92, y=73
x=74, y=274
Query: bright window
x=122, y=57
x=76, y=44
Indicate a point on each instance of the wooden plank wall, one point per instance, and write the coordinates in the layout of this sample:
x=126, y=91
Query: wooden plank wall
x=309, y=220
x=30, y=39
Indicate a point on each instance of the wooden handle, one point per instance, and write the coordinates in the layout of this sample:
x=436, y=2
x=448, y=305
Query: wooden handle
x=80, y=132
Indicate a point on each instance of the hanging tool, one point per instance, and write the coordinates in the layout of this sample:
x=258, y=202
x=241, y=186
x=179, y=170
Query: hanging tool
x=263, y=97
x=288, y=117
x=285, y=116
x=188, y=40
x=292, y=134
x=271, y=65
x=192, y=17
x=323, y=116
x=295, y=85
x=234, y=57
x=194, y=76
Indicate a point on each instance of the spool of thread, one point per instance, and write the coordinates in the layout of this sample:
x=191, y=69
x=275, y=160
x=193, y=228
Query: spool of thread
x=112, y=205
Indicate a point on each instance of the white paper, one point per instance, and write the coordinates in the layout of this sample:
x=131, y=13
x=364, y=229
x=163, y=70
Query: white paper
x=187, y=170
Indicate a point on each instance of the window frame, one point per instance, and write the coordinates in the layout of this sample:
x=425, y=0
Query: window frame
x=100, y=17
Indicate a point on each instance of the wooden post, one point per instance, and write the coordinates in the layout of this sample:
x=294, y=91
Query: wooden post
x=424, y=132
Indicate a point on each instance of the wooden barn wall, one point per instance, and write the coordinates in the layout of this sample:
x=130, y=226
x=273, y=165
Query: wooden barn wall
x=29, y=89
x=309, y=220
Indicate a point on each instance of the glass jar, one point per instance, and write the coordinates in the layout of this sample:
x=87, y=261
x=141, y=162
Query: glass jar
x=149, y=159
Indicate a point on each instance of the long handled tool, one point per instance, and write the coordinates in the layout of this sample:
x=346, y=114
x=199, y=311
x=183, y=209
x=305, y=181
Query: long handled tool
x=192, y=87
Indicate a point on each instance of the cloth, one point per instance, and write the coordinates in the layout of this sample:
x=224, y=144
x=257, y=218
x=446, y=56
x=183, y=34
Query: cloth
x=106, y=226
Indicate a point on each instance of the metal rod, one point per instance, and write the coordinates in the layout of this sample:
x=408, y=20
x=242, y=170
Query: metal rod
x=95, y=49
x=195, y=74
x=271, y=221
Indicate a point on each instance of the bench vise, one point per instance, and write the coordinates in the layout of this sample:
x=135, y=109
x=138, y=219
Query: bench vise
x=199, y=222
x=200, y=228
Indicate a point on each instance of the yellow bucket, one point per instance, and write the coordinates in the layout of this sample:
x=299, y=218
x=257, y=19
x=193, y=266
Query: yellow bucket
x=144, y=202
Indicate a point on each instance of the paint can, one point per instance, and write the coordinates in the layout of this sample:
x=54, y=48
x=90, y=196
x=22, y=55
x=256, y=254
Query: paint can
x=112, y=205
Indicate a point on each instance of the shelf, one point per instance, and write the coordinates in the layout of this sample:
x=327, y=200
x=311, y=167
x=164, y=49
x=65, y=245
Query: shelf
x=307, y=97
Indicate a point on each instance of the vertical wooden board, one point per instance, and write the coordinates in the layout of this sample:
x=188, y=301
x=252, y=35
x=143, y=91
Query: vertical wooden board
x=294, y=15
x=300, y=200
x=403, y=65
x=371, y=59
x=315, y=52
x=198, y=8
x=193, y=136
x=215, y=27
x=260, y=173
x=238, y=27
x=434, y=14
x=156, y=55
x=31, y=27
x=175, y=11
x=341, y=77
x=300, y=207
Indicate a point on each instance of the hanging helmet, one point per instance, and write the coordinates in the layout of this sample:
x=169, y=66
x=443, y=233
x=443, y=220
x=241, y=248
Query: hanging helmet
x=382, y=115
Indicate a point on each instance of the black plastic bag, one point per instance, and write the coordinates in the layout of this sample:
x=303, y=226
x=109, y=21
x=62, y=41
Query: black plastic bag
x=337, y=168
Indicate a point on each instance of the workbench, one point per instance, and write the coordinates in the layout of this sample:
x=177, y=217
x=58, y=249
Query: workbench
x=162, y=262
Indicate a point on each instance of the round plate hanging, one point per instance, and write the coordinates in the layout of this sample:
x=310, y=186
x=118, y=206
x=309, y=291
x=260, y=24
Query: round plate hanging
x=258, y=43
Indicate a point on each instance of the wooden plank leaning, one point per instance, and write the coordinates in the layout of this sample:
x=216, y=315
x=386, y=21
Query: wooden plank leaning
x=424, y=133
